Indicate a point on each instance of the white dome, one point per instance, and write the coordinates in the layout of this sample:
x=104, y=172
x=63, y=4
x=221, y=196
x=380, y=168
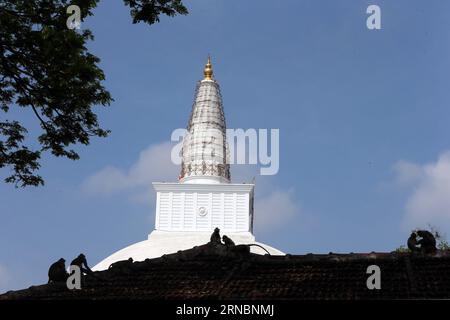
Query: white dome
x=160, y=243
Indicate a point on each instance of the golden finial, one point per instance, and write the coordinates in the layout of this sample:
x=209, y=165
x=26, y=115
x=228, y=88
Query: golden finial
x=208, y=69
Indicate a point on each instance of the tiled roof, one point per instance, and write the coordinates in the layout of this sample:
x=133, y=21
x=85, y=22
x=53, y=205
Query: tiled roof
x=211, y=272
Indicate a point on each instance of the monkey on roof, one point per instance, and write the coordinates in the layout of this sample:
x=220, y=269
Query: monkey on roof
x=123, y=264
x=57, y=271
x=215, y=237
x=81, y=263
x=427, y=243
x=228, y=242
x=412, y=243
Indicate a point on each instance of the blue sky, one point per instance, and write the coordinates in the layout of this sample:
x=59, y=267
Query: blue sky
x=363, y=118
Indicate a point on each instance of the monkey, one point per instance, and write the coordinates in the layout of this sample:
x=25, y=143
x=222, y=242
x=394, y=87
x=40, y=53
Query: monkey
x=227, y=241
x=121, y=264
x=215, y=236
x=412, y=242
x=57, y=271
x=81, y=262
x=427, y=243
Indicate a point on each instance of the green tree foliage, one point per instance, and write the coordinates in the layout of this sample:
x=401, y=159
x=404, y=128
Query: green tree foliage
x=402, y=249
x=46, y=69
x=441, y=242
x=148, y=11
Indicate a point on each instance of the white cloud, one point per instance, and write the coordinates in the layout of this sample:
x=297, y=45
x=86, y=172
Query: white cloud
x=153, y=164
x=106, y=181
x=429, y=202
x=275, y=210
x=274, y=207
x=407, y=173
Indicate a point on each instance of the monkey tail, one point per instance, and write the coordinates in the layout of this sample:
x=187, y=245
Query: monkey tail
x=257, y=245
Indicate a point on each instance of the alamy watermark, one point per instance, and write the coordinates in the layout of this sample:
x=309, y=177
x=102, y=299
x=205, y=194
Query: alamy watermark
x=251, y=146
x=373, y=22
x=74, y=20
x=374, y=280
x=73, y=282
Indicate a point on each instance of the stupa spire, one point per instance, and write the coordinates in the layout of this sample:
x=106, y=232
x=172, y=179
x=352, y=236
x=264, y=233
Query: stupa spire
x=205, y=153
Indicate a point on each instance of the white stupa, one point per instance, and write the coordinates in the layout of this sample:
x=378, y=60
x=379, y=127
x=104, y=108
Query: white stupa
x=188, y=211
